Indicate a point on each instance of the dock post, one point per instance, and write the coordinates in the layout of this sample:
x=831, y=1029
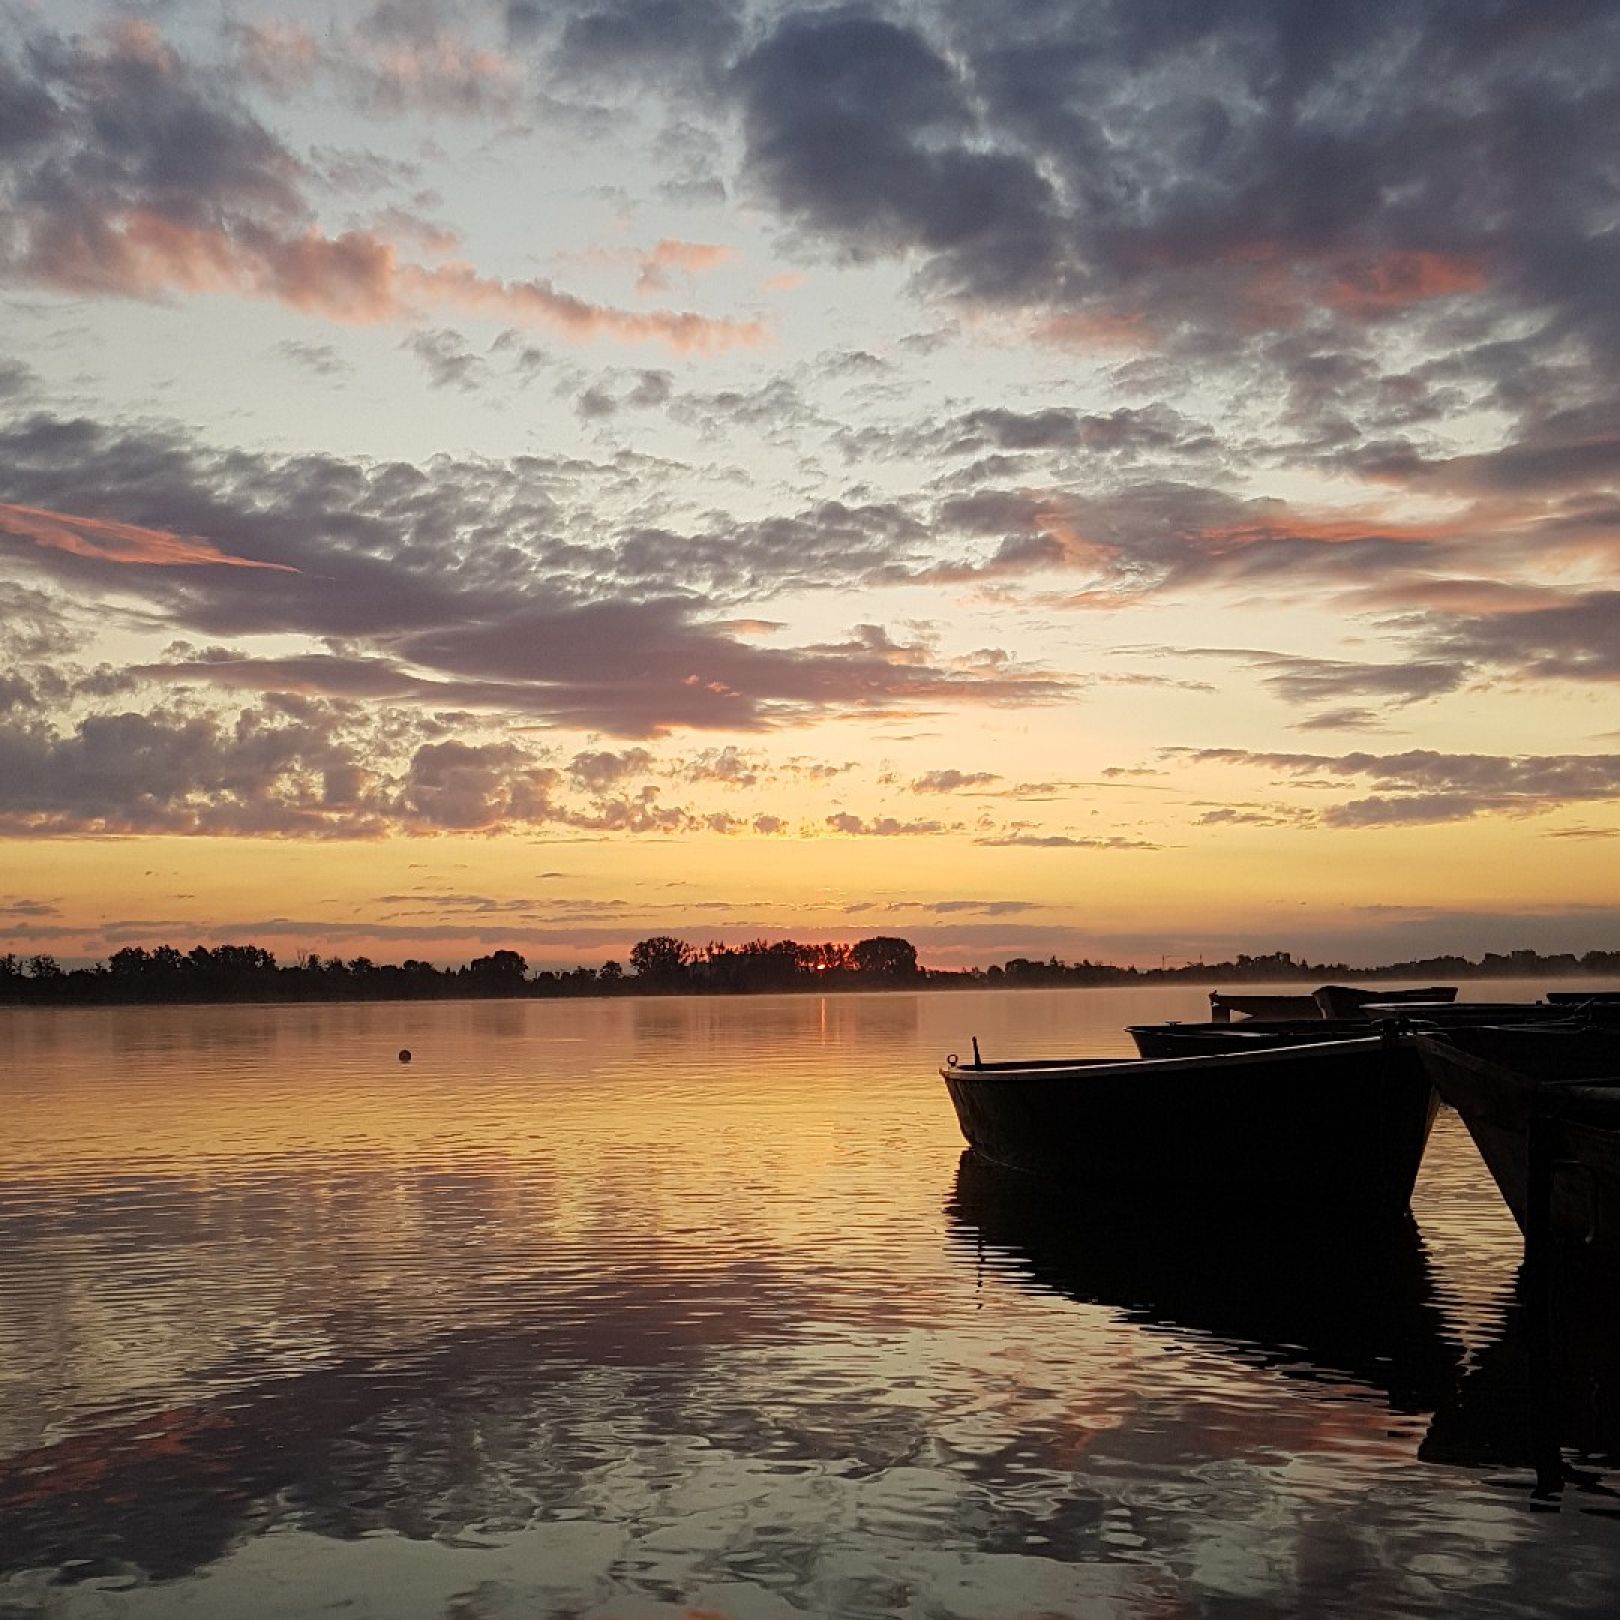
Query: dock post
x=1537, y=1299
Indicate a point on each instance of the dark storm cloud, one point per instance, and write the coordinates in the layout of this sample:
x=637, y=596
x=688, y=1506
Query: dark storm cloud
x=1424, y=786
x=862, y=133
x=1262, y=186
x=635, y=38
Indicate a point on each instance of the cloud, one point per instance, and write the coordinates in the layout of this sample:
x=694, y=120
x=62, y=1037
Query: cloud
x=1578, y=640
x=1061, y=841
x=1346, y=719
x=285, y=766
x=602, y=768
x=726, y=767
x=1233, y=816
x=860, y=131
x=852, y=826
x=1301, y=680
x=656, y=267
x=158, y=772
x=951, y=781
x=385, y=71
x=1139, y=540
x=626, y=39
x=139, y=178
x=987, y=908
x=449, y=362
x=1423, y=786
x=320, y=359
x=16, y=905
x=126, y=544
x=452, y=583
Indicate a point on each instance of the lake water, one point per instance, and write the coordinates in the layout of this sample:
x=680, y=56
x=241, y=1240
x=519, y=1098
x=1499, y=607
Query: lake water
x=651, y=1308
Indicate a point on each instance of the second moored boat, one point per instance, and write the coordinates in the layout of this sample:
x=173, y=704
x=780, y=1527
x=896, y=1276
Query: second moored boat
x=1325, y=1130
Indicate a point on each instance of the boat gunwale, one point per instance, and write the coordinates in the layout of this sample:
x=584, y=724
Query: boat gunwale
x=1086, y=1068
x=1437, y=1043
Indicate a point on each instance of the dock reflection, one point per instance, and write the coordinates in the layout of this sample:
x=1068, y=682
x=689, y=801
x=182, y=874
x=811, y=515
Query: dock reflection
x=1332, y=1302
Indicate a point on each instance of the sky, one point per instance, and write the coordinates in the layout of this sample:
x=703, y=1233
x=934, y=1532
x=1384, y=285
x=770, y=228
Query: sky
x=1123, y=479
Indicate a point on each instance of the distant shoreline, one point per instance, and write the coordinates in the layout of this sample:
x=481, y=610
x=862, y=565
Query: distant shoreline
x=248, y=976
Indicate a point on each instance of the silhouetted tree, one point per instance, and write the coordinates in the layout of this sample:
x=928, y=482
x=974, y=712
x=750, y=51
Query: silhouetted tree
x=885, y=957
x=661, y=960
x=500, y=973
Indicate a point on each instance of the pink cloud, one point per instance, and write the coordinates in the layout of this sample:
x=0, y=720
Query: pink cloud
x=104, y=540
x=436, y=73
x=691, y=258
x=356, y=277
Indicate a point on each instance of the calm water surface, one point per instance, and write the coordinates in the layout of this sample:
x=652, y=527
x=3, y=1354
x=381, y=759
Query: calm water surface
x=665, y=1307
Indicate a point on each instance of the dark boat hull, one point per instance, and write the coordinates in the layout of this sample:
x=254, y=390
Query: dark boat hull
x=1335, y=1127
x=1515, y=1086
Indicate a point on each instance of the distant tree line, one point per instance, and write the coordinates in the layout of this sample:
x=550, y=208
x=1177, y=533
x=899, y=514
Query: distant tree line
x=665, y=965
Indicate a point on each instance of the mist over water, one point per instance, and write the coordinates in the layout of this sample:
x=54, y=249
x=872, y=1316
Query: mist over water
x=643, y=1307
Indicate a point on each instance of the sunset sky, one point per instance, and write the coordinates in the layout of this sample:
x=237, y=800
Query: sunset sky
x=1125, y=478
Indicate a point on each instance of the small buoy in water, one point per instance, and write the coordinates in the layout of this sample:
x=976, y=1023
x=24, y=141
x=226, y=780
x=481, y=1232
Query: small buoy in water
x=404, y=1054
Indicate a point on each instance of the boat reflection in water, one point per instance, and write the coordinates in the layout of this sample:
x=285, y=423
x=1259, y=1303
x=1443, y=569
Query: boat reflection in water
x=1350, y=1305
x=1544, y=1393
x=1331, y=1301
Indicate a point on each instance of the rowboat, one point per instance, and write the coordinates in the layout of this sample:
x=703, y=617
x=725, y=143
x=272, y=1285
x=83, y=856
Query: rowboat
x=1329, y=1001
x=1461, y=1014
x=1318, y=1129
x=1347, y=1000
x=1543, y=1107
x=1189, y=1040
x=1222, y=1006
